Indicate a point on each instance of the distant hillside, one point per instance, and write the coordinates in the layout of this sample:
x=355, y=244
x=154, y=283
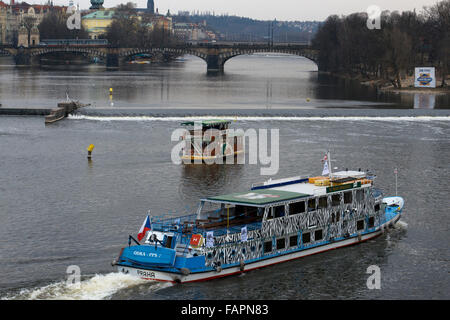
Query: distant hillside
x=233, y=28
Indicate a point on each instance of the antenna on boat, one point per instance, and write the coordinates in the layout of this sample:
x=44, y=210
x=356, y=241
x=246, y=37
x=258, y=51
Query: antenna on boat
x=228, y=238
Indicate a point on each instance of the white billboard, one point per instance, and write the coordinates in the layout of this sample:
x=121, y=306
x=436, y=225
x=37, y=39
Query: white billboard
x=425, y=77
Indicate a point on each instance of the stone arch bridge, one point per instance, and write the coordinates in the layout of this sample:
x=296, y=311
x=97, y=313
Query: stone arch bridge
x=214, y=55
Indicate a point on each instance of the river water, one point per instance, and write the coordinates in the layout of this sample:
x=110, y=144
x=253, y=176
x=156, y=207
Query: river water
x=58, y=210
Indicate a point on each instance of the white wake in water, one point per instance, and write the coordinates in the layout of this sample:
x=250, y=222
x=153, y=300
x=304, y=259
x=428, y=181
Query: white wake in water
x=402, y=224
x=96, y=288
x=278, y=118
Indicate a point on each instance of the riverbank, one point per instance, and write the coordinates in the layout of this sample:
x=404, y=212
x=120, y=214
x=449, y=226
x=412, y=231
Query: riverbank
x=407, y=86
x=386, y=86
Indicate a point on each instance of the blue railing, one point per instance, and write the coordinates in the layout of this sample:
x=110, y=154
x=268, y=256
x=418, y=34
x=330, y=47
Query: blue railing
x=162, y=223
x=186, y=226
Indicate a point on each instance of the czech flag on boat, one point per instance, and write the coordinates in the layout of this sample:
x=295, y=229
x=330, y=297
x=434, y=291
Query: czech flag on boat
x=146, y=226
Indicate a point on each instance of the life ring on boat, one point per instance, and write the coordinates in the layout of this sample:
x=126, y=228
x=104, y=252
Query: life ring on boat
x=185, y=271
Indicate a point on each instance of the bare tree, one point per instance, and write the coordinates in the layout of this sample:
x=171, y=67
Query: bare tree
x=438, y=17
x=29, y=22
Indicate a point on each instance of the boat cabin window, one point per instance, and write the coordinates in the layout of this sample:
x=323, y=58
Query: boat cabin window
x=296, y=207
x=336, y=199
x=168, y=241
x=211, y=209
x=348, y=197
x=322, y=202
x=246, y=211
x=371, y=222
x=360, y=195
x=318, y=235
x=293, y=241
x=360, y=225
x=306, y=237
x=219, y=213
x=312, y=204
x=268, y=246
x=278, y=211
x=377, y=207
x=281, y=243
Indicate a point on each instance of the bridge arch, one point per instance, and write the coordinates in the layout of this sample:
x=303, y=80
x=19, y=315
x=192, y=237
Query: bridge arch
x=174, y=51
x=224, y=57
x=91, y=52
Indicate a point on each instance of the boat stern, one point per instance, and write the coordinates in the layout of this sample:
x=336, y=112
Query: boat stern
x=148, y=255
x=151, y=262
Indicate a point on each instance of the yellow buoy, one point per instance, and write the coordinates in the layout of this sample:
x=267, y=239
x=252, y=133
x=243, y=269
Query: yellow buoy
x=89, y=149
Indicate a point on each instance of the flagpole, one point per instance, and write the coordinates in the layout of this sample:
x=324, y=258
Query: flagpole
x=329, y=164
x=151, y=222
x=396, y=174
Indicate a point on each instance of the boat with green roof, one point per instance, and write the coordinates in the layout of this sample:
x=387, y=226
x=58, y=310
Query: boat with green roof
x=273, y=222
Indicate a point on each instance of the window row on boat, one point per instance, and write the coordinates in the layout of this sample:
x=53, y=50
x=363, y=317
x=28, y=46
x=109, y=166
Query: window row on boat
x=218, y=215
x=315, y=203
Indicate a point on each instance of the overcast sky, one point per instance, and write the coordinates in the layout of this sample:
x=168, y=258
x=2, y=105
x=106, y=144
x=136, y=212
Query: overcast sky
x=265, y=9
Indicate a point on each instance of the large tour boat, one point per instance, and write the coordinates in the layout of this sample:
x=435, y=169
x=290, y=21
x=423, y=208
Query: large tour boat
x=275, y=221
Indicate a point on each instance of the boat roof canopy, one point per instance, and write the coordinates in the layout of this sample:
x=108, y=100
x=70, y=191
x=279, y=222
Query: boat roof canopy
x=257, y=198
x=207, y=123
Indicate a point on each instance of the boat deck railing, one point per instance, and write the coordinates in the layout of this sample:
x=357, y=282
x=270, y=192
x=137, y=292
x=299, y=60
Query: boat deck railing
x=188, y=225
x=221, y=232
x=164, y=224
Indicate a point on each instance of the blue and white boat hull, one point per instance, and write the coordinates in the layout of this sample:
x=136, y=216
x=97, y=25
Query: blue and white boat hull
x=178, y=277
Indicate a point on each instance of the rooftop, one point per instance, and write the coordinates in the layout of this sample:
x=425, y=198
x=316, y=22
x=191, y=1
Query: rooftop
x=100, y=14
